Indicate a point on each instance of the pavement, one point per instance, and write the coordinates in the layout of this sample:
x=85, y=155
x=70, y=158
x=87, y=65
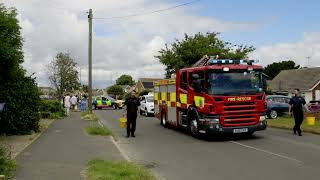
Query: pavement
x=63, y=151
x=272, y=154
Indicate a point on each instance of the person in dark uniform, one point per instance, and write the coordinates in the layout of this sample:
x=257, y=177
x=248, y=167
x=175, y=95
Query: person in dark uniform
x=296, y=108
x=132, y=104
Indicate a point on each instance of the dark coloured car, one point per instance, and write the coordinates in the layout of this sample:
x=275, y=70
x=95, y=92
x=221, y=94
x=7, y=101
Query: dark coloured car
x=277, y=105
x=314, y=106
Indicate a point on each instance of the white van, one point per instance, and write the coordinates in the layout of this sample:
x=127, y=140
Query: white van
x=147, y=105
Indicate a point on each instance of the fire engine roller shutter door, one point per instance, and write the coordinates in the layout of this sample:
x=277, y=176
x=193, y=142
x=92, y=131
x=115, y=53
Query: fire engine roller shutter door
x=163, y=92
x=156, y=98
x=171, y=102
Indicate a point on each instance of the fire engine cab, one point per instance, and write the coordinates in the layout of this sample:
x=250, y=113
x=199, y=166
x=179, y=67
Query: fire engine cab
x=214, y=96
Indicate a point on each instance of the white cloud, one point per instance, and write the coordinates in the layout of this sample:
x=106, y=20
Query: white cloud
x=119, y=45
x=308, y=46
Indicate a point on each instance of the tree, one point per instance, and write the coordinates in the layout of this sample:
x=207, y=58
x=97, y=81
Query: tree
x=63, y=74
x=18, y=91
x=272, y=70
x=125, y=80
x=115, y=90
x=186, y=52
x=144, y=92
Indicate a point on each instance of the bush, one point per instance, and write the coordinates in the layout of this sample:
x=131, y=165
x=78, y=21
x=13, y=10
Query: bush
x=7, y=165
x=51, y=109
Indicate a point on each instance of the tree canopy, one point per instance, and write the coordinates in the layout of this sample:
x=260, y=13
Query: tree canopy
x=272, y=70
x=18, y=91
x=63, y=74
x=115, y=90
x=186, y=52
x=125, y=80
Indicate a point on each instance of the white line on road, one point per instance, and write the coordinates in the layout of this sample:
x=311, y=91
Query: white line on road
x=268, y=152
x=124, y=155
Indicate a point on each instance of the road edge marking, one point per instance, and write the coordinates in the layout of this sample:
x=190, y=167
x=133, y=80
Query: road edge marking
x=124, y=155
x=268, y=152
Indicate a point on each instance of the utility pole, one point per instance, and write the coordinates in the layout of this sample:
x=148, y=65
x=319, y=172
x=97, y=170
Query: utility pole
x=90, y=16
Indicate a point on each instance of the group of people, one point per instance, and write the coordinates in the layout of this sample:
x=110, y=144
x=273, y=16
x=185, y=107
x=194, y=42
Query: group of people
x=71, y=102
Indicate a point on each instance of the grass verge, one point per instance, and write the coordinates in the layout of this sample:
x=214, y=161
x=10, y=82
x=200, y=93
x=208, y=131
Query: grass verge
x=288, y=123
x=98, y=130
x=99, y=169
x=7, y=164
x=88, y=116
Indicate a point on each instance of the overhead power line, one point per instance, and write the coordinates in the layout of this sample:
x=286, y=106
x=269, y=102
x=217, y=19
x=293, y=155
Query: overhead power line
x=149, y=12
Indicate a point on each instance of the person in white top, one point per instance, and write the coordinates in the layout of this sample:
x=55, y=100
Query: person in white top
x=67, y=103
x=74, y=101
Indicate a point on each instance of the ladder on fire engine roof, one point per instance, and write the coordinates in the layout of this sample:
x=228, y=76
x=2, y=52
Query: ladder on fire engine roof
x=210, y=60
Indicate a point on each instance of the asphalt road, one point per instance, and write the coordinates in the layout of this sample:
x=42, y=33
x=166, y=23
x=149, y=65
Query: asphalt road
x=272, y=154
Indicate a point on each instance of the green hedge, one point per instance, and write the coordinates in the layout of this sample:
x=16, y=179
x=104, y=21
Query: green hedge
x=51, y=109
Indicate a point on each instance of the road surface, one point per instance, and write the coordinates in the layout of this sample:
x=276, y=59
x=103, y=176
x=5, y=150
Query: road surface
x=272, y=154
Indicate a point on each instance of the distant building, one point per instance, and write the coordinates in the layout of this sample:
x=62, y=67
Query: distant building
x=306, y=79
x=145, y=84
x=46, y=90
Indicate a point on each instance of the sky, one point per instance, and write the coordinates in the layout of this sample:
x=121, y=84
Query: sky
x=279, y=30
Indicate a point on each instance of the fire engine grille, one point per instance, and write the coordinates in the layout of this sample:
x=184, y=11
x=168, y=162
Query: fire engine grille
x=240, y=113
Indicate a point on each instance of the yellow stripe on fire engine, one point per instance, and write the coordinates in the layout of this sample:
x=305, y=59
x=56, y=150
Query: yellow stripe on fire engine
x=155, y=96
x=178, y=104
x=169, y=103
x=163, y=96
x=173, y=96
x=199, y=101
x=183, y=98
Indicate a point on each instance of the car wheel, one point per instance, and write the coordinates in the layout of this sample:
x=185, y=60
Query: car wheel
x=146, y=112
x=141, y=112
x=114, y=106
x=273, y=114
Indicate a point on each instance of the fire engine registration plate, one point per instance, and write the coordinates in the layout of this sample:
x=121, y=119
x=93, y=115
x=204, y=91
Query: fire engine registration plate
x=243, y=130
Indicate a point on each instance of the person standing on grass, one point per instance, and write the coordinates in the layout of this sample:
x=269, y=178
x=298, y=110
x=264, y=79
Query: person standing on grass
x=67, y=103
x=296, y=108
x=83, y=103
x=132, y=104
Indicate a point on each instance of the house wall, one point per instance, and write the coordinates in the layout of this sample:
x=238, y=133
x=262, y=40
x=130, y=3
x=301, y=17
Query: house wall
x=308, y=96
x=314, y=96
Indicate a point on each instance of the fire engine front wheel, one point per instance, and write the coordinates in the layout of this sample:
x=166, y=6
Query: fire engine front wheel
x=194, y=129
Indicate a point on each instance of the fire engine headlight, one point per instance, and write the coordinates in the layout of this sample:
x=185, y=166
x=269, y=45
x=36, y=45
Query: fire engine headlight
x=263, y=118
x=214, y=121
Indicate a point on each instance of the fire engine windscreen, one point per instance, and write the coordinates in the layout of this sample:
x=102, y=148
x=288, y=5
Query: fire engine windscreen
x=234, y=83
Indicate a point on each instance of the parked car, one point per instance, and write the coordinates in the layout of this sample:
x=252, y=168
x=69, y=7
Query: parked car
x=314, y=106
x=277, y=105
x=100, y=102
x=147, y=105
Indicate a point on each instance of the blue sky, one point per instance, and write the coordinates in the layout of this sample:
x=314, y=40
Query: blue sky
x=281, y=20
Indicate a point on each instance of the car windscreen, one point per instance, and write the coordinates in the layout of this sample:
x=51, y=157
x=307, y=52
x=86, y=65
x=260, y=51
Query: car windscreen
x=149, y=99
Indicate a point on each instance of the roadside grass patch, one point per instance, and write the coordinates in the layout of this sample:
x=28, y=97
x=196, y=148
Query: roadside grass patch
x=99, y=169
x=98, y=130
x=288, y=123
x=88, y=116
x=7, y=164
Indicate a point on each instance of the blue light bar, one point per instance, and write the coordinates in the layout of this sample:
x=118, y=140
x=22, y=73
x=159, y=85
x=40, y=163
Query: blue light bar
x=231, y=61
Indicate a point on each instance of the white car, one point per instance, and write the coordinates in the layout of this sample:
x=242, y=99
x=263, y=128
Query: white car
x=147, y=105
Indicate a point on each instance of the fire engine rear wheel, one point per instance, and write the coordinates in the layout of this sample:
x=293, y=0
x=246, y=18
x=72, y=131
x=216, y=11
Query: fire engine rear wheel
x=163, y=120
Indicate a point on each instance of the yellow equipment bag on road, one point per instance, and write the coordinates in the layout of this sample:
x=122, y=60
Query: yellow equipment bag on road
x=123, y=122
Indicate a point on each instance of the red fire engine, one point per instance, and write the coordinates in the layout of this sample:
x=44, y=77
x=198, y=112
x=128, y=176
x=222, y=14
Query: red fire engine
x=213, y=96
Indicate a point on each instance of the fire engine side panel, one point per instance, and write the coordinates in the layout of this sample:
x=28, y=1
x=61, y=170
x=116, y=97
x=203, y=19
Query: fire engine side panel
x=163, y=89
x=156, y=99
x=171, y=103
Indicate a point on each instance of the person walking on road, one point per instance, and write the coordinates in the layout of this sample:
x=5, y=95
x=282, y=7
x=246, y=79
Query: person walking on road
x=132, y=104
x=74, y=102
x=67, y=104
x=296, y=108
